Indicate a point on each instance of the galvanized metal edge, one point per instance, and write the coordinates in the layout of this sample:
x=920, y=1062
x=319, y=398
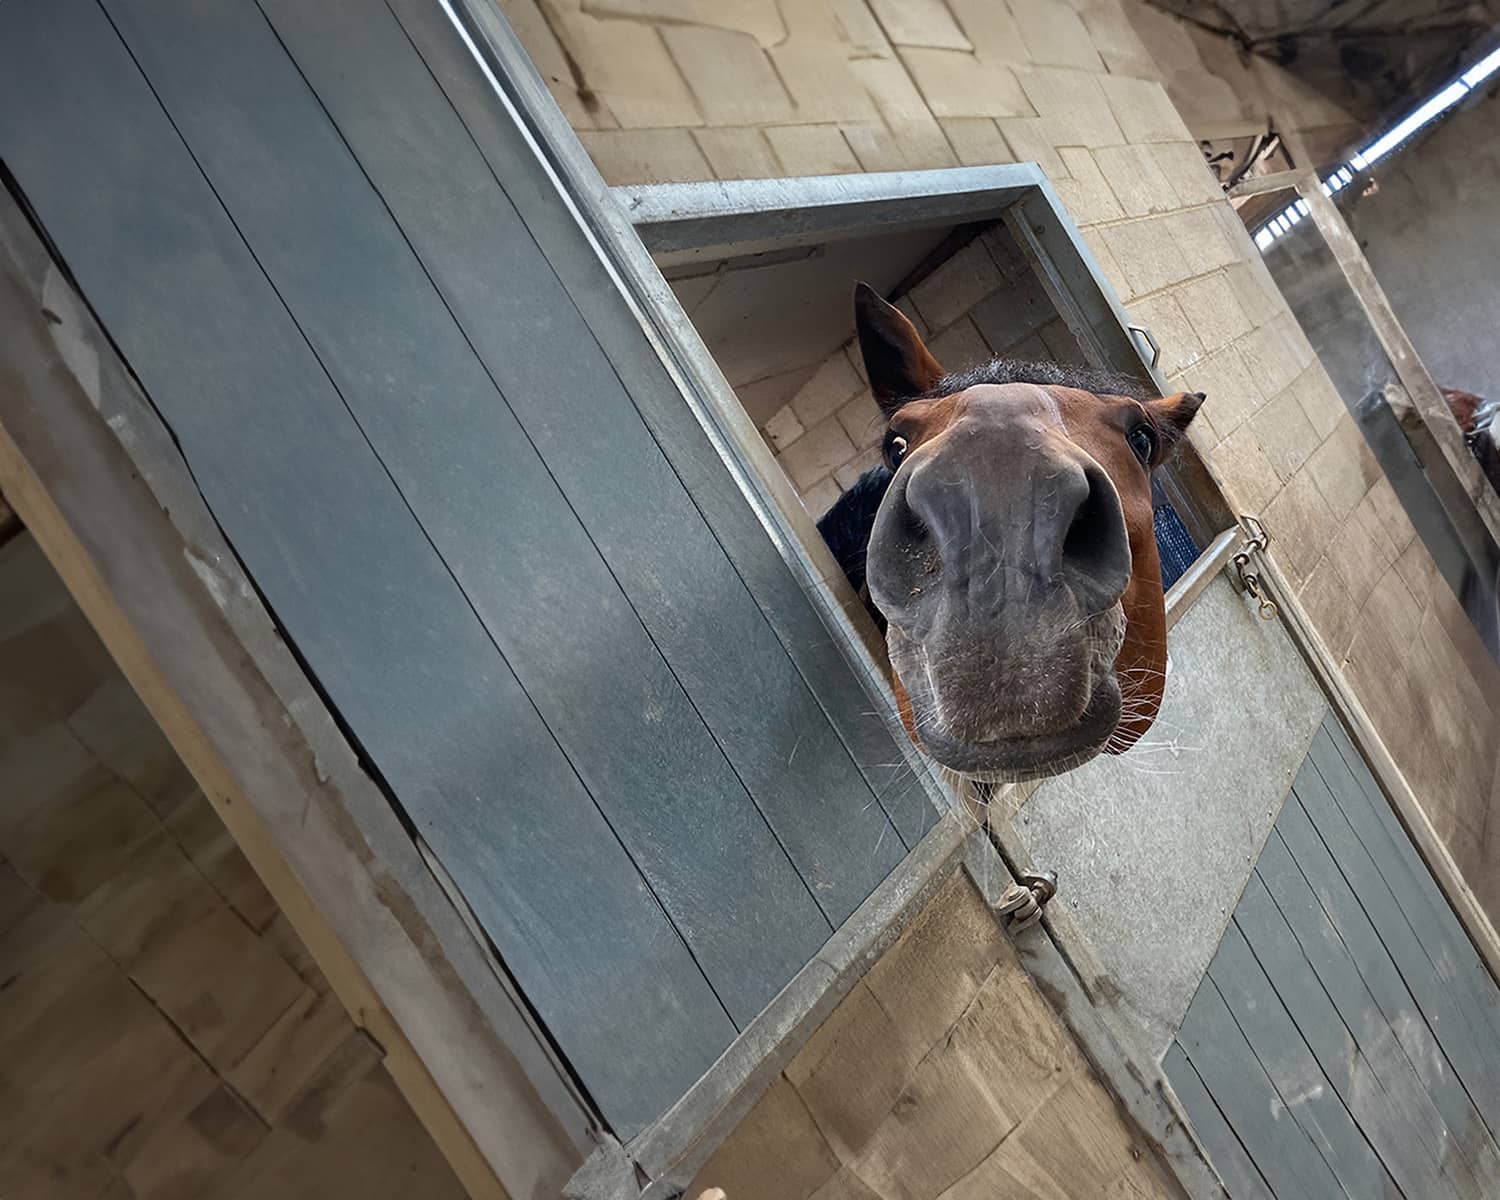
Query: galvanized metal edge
x=1409, y=811
x=1436, y=420
x=685, y=216
x=1140, y=1087
x=673, y=1149
x=1190, y=585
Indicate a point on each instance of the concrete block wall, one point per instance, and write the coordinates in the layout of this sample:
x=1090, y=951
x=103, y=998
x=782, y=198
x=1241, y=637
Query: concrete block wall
x=164, y=1033
x=944, y=1075
x=685, y=89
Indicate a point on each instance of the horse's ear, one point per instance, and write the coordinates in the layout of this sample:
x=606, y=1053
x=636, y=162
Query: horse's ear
x=1175, y=413
x=898, y=364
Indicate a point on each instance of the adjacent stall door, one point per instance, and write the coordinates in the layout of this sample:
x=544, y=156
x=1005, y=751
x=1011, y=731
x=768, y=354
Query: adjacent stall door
x=474, y=499
x=1346, y=1039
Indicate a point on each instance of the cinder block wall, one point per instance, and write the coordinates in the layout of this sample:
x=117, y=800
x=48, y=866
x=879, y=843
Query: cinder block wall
x=673, y=90
x=944, y=1074
x=164, y=1034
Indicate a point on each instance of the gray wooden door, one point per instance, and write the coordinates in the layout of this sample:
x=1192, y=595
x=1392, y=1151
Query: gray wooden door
x=1346, y=1039
x=474, y=499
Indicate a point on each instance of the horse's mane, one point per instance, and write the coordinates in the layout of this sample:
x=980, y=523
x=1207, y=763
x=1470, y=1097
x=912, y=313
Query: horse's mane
x=846, y=526
x=1015, y=370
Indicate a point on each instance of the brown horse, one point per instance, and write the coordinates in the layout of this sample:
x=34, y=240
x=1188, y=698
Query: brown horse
x=1007, y=544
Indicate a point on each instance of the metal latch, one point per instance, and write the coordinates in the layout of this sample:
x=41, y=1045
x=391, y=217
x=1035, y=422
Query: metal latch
x=1022, y=901
x=1256, y=541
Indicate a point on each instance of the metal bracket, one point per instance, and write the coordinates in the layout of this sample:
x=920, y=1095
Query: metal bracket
x=1256, y=541
x=1022, y=901
x=1142, y=332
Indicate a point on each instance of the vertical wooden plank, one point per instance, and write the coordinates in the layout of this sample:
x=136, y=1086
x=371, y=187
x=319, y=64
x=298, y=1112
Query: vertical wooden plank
x=1384, y=813
x=1279, y=1147
x=1370, y=814
x=676, y=429
x=1338, y=1017
x=1426, y=967
x=1299, y=1080
x=1240, y=1174
x=1472, y=1148
x=1337, y=759
x=575, y=409
x=1386, y=1113
x=267, y=436
x=1357, y=976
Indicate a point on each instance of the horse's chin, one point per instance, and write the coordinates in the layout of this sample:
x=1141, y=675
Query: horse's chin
x=1017, y=759
x=1022, y=755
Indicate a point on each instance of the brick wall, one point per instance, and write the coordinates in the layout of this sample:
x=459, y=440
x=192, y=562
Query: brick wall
x=163, y=1032
x=688, y=89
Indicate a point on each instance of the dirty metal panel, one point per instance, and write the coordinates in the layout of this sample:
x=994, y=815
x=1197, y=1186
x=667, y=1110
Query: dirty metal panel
x=1152, y=847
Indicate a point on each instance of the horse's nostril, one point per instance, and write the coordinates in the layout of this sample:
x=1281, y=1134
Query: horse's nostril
x=910, y=527
x=904, y=561
x=1096, y=551
x=1088, y=532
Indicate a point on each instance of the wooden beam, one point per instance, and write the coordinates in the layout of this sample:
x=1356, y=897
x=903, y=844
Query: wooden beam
x=96, y=478
x=1226, y=131
x=1256, y=185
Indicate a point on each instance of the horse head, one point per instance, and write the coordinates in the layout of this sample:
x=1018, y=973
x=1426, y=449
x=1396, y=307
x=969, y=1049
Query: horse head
x=1012, y=554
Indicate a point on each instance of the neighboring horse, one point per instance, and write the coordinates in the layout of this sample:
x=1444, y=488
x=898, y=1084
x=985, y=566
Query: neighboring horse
x=1476, y=417
x=1006, y=543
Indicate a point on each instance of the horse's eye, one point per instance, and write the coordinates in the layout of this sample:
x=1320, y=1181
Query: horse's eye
x=895, y=451
x=1142, y=441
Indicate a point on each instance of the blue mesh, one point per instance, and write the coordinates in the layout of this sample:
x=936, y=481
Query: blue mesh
x=1173, y=542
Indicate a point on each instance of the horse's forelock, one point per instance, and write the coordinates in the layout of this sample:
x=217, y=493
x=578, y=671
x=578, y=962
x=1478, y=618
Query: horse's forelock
x=1047, y=374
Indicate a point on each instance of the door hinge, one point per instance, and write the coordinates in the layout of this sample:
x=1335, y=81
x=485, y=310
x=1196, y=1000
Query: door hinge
x=1022, y=901
x=1245, y=570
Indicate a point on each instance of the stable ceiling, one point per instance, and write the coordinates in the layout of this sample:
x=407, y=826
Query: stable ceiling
x=1369, y=56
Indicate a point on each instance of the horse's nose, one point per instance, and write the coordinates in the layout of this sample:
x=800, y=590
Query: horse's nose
x=987, y=528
